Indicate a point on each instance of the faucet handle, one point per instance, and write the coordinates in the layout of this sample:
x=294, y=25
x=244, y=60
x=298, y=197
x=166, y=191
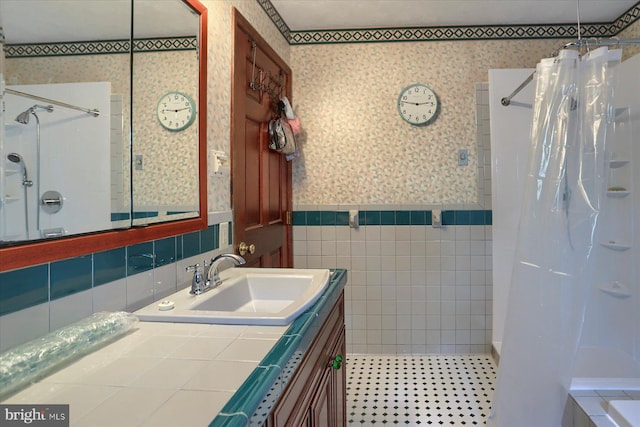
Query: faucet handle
x=193, y=268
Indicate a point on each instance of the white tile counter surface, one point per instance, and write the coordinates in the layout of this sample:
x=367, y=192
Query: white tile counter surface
x=160, y=374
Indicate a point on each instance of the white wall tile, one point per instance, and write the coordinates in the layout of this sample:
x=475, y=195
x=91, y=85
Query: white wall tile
x=139, y=290
x=67, y=310
x=408, y=284
x=25, y=325
x=110, y=296
x=164, y=281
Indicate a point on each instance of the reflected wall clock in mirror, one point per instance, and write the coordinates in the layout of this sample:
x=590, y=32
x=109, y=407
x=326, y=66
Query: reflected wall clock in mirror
x=176, y=111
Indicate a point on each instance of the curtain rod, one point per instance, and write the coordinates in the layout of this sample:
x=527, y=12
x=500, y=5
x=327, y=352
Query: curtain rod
x=94, y=112
x=578, y=43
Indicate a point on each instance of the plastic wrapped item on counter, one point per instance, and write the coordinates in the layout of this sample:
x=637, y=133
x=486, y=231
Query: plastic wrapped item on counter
x=35, y=359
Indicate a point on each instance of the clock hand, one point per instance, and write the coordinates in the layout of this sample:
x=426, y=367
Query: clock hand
x=417, y=103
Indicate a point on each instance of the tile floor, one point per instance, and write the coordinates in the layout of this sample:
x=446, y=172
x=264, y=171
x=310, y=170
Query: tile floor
x=439, y=390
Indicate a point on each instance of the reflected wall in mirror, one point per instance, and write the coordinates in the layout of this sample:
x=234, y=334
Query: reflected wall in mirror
x=165, y=94
x=68, y=172
x=83, y=55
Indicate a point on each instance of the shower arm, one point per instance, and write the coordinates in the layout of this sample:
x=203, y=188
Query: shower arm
x=507, y=99
x=578, y=43
x=94, y=112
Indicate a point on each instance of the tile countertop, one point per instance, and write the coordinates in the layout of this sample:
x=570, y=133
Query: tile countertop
x=169, y=374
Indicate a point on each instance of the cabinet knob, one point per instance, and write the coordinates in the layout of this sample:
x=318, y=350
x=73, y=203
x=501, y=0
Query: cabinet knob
x=336, y=362
x=243, y=248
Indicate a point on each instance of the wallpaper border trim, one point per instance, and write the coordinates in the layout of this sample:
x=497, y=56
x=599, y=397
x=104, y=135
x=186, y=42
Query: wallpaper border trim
x=103, y=47
x=449, y=33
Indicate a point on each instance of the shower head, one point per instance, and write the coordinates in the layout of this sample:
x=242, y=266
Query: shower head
x=17, y=158
x=24, y=116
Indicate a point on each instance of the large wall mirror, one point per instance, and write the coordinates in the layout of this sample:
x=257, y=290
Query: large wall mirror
x=103, y=138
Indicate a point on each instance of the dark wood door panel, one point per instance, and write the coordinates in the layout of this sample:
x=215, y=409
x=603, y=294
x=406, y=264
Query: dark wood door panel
x=261, y=178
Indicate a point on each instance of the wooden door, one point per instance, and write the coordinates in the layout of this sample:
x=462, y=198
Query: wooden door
x=261, y=178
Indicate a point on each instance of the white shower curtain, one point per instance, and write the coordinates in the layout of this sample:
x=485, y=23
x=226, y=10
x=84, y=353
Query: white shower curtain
x=568, y=161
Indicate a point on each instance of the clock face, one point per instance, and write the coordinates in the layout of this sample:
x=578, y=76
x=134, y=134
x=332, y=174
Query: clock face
x=418, y=105
x=176, y=111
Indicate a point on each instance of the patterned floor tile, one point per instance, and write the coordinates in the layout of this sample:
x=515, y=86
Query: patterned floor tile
x=430, y=390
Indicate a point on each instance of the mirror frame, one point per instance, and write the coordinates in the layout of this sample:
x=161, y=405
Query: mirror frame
x=40, y=252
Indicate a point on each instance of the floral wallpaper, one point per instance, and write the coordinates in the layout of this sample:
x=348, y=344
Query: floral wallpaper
x=219, y=82
x=357, y=149
x=169, y=175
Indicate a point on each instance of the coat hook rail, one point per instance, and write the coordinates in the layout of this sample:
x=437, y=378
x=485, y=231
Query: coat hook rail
x=265, y=81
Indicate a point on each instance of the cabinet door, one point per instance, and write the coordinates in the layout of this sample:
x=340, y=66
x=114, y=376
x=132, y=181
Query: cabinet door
x=328, y=406
x=321, y=405
x=316, y=395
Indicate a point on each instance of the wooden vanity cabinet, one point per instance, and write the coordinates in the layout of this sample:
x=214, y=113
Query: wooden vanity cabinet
x=316, y=394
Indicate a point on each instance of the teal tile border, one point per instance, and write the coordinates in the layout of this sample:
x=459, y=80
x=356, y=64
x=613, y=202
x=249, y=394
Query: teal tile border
x=71, y=276
x=24, y=288
x=109, y=266
x=450, y=33
x=30, y=286
x=164, y=251
x=374, y=217
x=191, y=244
x=120, y=216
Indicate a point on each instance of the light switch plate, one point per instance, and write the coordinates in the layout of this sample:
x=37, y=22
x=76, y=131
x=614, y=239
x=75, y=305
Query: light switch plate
x=463, y=157
x=223, y=240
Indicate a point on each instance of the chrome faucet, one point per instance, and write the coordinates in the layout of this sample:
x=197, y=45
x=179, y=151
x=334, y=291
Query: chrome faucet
x=202, y=281
x=213, y=275
x=197, y=281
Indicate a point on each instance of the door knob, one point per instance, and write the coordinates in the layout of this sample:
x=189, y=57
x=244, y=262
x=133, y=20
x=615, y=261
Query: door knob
x=243, y=248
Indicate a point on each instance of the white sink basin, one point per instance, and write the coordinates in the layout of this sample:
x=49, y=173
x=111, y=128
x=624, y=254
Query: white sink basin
x=626, y=413
x=248, y=296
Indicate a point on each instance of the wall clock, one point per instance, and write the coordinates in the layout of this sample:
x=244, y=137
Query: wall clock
x=418, y=104
x=176, y=111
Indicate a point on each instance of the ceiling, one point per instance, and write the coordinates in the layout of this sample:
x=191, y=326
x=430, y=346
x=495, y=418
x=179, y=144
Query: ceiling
x=301, y=15
x=49, y=21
